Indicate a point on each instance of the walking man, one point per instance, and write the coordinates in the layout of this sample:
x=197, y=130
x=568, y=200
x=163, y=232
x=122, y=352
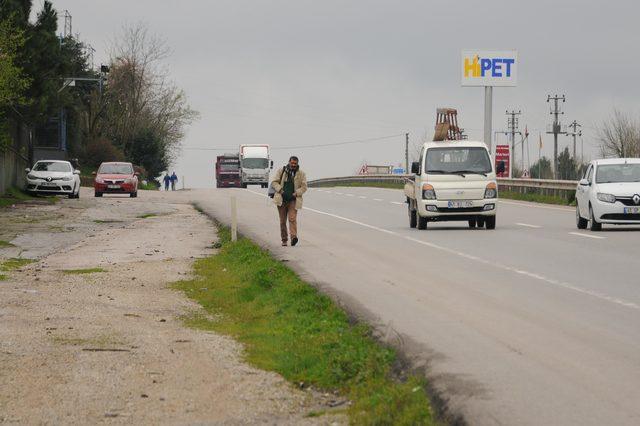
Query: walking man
x=174, y=179
x=167, y=181
x=289, y=184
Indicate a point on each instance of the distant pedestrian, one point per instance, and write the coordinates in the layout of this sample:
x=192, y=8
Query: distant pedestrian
x=174, y=179
x=167, y=181
x=289, y=184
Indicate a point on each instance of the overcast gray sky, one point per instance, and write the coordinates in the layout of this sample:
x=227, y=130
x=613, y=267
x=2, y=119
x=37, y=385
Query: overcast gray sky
x=299, y=72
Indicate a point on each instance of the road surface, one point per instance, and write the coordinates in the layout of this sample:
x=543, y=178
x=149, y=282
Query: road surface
x=533, y=323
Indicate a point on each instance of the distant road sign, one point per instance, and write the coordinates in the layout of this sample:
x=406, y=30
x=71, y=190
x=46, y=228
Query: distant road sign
x=489, y=68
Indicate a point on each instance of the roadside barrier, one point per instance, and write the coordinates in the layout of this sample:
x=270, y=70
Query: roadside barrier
x=559, y=188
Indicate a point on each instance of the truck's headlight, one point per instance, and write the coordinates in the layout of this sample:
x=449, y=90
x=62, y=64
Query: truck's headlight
x=491, y=191
x=607, y=198
x=428, y=193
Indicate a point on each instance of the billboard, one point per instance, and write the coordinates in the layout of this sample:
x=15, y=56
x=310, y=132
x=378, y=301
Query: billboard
x=502, y=156
x=489, y=68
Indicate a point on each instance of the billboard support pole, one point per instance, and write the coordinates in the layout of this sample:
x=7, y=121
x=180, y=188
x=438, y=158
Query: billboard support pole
x=488, y=110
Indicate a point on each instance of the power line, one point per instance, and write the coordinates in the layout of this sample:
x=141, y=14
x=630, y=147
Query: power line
x=306, y=146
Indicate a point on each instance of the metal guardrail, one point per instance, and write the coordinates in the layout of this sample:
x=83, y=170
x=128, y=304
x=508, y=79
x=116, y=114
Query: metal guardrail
x=560, y=188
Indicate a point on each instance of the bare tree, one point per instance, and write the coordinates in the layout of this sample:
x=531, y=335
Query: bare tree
x=141, y=98
x=619, y=136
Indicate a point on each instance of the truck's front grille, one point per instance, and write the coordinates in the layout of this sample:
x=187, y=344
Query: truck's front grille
x=460, y=210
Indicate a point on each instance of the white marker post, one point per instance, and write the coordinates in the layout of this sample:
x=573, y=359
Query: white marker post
x=488, y=69
x=234, y=220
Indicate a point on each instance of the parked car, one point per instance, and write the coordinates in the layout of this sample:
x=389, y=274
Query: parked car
x=53, y=177
x=609, y=192
x=116, y=178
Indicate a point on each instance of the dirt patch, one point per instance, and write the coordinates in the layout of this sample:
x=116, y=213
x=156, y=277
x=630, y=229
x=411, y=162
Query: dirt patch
x=111, y=347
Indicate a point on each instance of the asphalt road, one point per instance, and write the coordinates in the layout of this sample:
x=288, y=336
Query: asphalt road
x=533, y=323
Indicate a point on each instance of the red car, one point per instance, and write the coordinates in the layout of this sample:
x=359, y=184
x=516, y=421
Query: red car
x=116, y=178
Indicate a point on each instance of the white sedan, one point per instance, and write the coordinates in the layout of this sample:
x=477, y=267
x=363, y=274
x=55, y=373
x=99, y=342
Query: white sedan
x=53, y=177
x=609, y=192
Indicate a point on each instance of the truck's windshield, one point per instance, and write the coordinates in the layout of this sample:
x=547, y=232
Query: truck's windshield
x=255, y=163
x=229, y=167
x=457, y=161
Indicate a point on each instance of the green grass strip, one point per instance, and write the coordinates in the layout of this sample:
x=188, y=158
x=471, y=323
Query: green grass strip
x=16, y=196
x=287, y=326
x=4, y=244
x=537, y=198
x=83, y=271
x=14, y=263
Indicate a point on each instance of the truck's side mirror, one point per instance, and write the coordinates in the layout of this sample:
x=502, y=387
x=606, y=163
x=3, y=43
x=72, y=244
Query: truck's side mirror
x=501, y=167
x=27, y=170
x=415, y=168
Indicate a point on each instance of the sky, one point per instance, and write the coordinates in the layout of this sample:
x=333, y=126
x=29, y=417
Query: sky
x=298, y=72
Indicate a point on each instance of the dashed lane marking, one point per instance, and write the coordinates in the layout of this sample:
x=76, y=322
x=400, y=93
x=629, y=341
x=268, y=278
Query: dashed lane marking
x=595, y=237
x=528, y=225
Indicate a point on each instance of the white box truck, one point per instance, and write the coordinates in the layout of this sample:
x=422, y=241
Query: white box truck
x=255, y=165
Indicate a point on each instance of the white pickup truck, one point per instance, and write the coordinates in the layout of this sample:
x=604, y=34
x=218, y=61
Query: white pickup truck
x=454, y=180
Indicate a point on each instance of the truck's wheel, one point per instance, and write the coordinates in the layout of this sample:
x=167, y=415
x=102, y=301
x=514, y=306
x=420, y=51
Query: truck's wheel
x=480, y=222
x=413, y=218
x=472, y=223
x=491, y=222
x=244, y=185
x=422, y=222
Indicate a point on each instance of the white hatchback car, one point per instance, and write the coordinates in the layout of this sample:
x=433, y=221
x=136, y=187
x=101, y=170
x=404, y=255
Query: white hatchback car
x=53, y=177
x=609, y=192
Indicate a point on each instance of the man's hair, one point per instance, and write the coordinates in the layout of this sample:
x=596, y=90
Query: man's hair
x=293, y=157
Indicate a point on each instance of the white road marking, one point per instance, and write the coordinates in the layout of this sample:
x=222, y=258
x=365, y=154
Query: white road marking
x=349, y=195
x=377, y=199
x=528, y=225
x=538, y=277
x=397, y=202
x=339, y=193
x=595, y=237
x=362, y=197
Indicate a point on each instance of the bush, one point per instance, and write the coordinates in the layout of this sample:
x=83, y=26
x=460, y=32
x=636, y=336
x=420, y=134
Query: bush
x=102, y=150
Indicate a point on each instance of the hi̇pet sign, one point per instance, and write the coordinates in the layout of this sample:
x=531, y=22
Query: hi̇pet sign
x=489, y=68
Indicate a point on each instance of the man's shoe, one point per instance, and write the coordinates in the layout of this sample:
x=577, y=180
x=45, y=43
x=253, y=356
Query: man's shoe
x=284, y=243
x=294, y=241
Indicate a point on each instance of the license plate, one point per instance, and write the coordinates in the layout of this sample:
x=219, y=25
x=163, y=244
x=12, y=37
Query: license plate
x=113, y=186
x=48, y=184
x=632, y=210
x=459, y=204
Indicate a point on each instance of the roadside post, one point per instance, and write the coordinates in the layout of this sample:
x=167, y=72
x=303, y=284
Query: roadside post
x=489, y=69
x=234, y=219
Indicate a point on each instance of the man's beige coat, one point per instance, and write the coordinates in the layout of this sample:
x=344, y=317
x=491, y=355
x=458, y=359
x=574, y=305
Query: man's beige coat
x=299, y=186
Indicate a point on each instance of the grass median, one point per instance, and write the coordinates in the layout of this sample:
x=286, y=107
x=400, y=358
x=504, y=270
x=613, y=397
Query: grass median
x=287, y=326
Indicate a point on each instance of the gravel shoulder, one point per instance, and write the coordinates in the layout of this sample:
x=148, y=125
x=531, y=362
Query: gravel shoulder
x=109, y=346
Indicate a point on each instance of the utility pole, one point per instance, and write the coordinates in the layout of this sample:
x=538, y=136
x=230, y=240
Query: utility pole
x=575, y=133
x=512, y=125
x=406, y=153
x=556, y=129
